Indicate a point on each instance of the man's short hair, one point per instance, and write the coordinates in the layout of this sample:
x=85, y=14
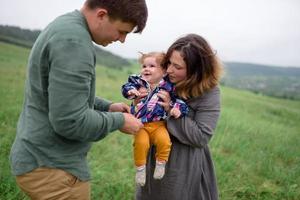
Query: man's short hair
x=130, y=11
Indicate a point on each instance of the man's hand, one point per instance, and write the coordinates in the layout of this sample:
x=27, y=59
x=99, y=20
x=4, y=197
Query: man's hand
x=119, y=107
x=131, y=124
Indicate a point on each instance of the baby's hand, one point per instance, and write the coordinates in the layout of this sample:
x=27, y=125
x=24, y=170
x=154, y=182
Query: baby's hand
x=143, y=92
x=138, y=95
x=133, y=93
x=175, y=112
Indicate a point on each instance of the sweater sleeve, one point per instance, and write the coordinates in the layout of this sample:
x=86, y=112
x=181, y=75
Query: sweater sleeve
x=101, y=104
x=71, y=72
x=196, y=130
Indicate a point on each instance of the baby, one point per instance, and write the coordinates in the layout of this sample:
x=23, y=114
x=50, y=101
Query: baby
x=151, y=80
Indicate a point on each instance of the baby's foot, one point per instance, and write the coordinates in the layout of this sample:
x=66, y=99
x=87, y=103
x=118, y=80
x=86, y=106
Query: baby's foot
x=140, y=176
x=159, y=171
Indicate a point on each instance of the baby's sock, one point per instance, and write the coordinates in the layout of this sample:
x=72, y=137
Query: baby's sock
x=159, y=171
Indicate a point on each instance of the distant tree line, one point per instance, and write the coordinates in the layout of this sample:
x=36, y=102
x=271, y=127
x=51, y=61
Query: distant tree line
x=282, y=82
x=18, y=36
x=26, y=37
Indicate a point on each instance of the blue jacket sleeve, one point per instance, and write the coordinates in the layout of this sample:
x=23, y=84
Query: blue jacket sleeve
x=181, y=105
x=130, y=85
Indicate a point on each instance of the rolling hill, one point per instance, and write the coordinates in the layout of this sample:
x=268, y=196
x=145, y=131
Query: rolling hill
x=282, y=82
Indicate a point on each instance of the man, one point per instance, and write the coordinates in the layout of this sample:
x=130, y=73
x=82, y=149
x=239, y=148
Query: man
x=61, y=115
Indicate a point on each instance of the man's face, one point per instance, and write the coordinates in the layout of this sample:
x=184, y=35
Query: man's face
x=107, y=30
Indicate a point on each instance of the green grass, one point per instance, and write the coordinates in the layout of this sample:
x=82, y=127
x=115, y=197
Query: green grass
x=255, y=147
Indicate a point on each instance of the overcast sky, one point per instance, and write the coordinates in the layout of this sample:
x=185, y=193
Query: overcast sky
x=255, y=31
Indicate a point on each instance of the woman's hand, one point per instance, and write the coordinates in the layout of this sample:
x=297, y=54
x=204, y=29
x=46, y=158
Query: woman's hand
x=166, y=100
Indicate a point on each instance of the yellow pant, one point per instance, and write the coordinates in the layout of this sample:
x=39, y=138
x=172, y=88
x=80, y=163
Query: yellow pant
x=152, y=133
x=49, y=183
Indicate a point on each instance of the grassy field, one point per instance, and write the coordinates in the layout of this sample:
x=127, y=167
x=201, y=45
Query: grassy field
x=255, y=147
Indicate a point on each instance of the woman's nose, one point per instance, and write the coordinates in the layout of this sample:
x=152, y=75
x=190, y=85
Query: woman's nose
x=169, y=70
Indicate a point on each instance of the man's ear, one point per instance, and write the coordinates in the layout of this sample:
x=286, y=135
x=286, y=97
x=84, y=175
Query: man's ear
x=101, y=13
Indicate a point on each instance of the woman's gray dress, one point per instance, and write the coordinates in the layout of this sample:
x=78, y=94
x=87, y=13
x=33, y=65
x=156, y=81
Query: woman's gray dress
x=189, y=172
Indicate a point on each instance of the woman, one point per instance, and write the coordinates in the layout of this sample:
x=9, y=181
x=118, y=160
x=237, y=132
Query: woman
x=194, y=68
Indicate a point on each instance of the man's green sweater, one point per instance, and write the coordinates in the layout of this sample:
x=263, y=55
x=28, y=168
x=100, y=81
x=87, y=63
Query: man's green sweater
x=61, y=115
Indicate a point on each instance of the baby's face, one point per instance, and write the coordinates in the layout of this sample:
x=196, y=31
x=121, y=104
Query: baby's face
x=152, y=72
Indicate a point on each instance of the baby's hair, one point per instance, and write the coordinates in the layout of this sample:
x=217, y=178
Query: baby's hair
x=159, y=57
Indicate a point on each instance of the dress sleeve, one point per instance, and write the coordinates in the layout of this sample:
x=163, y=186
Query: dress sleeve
x=71, y=72
x=197, y=128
